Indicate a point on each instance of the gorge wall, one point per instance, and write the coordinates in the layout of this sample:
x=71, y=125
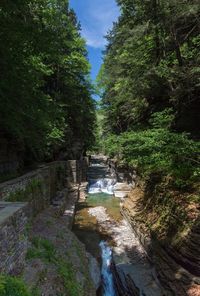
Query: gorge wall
x=175, y=256
x=169, y=231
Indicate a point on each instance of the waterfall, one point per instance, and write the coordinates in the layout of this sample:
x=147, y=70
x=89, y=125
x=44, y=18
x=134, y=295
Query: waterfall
x=107, y=277
x=102, y=186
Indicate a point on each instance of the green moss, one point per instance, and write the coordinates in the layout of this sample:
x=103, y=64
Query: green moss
x=44, y=249
x=18, y=195
x=27, y=194
x=35, y=291
x=194, y=198
x=67, y=274
x=167, y=216
x=28, y=227
x=12, y=286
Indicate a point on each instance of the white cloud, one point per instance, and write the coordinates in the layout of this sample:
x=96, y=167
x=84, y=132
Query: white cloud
x=97, y=17
x=92, y=38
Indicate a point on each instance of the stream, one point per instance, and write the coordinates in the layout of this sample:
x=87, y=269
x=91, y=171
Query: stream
x=107, y=277
x=107, y=236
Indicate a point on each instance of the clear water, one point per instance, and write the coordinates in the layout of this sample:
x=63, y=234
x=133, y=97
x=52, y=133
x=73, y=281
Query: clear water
x=100, y=193
x=107, y=277
x=98, y=241
x=111, y=203
x=85, y=226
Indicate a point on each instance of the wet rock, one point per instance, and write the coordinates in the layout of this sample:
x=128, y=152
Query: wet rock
x=128, y=254
x=124, y=285
x=176, y=267
x=121, y=190
x=95, y=272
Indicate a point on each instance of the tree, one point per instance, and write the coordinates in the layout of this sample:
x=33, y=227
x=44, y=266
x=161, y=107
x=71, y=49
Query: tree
x=44, y=85
x=151, y=65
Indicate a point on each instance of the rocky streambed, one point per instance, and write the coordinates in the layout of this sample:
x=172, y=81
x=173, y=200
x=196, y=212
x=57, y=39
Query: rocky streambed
x=129, y=256
x=176, y=263
x=98, y=219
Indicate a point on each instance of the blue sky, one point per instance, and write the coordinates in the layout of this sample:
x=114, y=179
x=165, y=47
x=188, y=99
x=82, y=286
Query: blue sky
x=96, y=18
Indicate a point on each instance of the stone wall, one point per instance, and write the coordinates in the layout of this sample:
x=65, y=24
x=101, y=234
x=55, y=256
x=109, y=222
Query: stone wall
x=77, y=170
x=13, y=241
x=40, y=186
x=37, y=187
x=23, y=198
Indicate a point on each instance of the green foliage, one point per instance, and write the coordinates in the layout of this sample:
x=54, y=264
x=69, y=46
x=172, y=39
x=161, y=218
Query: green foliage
x=11, y=286
x=150, y=86
x=98, y=145
x=162, y=119
x=158, y=150
x=66, y=272
x=43, y=249
x=45, y=94
x=152, y=63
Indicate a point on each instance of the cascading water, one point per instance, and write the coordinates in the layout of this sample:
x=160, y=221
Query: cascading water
x=107, y=277
x=96, y=187
x=103, y=205
x=104, y=185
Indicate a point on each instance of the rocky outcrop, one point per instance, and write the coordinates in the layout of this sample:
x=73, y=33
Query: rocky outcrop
x=124, y=284
x=125, y=177
x=121, y=172
x=176, y=260
x=94, y=269
x=175, y=254
x=132, y=269
x=121, y=190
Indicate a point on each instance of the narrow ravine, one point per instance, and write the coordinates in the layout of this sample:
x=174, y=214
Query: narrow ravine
x=108, y=236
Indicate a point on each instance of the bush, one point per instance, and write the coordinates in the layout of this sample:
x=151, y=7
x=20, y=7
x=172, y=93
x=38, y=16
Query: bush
x=158, y=150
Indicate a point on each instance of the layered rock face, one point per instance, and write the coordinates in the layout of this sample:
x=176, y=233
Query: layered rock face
x=173, y=246
x=167, y=224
